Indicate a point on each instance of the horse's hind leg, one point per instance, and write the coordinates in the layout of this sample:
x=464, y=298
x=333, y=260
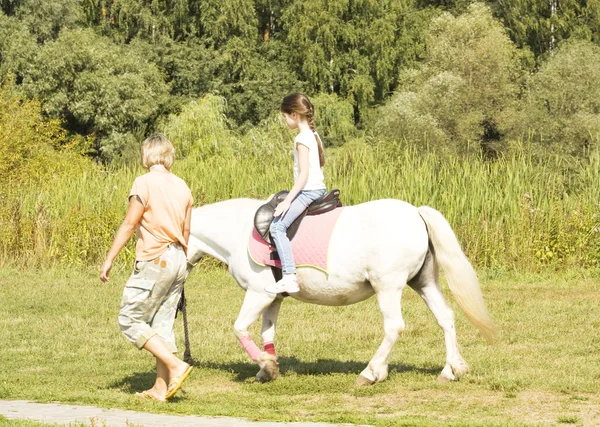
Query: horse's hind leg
x=389, y=300
x=426, y=284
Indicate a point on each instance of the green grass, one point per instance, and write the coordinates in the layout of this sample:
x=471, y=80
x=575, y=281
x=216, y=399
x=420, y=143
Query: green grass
x=4, y=422
x=60, y=341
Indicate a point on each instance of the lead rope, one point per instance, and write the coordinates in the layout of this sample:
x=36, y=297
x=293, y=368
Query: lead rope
x=187, y=355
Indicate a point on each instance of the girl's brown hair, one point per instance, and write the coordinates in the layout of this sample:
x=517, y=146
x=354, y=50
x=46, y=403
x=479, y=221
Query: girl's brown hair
x=301, y=105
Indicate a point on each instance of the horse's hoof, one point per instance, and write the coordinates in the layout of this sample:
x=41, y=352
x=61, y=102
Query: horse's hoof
x=362, y=381
x=271, y=370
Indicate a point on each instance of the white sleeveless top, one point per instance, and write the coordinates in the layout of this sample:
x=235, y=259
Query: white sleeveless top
x=315, y=181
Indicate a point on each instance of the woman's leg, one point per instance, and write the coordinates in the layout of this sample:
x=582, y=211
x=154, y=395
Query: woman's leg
x=168, y=366
x=147, y=293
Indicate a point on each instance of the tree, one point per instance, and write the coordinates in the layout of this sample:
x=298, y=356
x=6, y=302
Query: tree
x=562, y=108
x=124, y=20
x=31, y=147
x=347, y=47
x=17, y=47
x=96, y=87
x=471, y=73
x=543, y=24
x=224, y=20
x=254, y=80
x=46, y=18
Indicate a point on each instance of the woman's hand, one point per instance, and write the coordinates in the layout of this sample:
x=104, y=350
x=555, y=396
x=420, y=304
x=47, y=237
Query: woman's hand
x=105, y=270
x=281, y=208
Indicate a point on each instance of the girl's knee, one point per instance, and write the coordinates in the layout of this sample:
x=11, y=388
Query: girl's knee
x=277, y=227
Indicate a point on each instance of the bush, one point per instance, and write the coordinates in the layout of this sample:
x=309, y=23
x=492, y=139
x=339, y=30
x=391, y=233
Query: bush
x=562, y=108
x=36, y=158
x=455, y=100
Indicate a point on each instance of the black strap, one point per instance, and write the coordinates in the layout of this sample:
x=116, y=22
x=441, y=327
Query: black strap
x=187, y=355
x=277, y=274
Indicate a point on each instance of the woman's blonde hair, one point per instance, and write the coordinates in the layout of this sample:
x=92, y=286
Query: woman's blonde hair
x=301, y=105
x=157, y=150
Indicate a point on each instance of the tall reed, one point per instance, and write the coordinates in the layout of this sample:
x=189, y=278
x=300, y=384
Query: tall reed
x=512, y=213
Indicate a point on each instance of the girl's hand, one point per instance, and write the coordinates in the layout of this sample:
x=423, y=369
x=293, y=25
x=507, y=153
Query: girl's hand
x=105, y=270
x=281, y=208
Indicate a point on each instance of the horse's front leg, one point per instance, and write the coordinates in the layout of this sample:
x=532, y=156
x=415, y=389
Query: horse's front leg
x=254, y=304
x=389, y=305
x=270, y=371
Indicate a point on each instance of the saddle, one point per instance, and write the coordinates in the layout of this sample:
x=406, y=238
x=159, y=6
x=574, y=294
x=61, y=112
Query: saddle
x=264, y=215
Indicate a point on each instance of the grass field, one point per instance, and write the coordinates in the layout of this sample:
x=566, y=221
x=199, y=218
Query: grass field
x=4, y=422
x=59, y=341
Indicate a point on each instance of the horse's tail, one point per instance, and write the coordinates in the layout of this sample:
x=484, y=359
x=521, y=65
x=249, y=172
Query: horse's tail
x=460, y=275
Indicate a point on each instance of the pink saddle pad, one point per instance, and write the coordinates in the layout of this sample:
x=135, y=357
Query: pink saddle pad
x=310, y=245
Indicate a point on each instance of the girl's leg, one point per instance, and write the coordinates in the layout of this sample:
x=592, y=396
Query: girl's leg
x=278, y=230
x=280, y=225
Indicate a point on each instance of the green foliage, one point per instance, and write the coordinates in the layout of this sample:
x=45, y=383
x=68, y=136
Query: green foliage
x=541, y=24
x=200, y=129
x=35, y=156
x=17, y=47
x=212, y=74
x=125, y=20
x=562, y=108
x=334, y=119
x=455, y=100
x=254, y=80
x=190, y=66
x=31, y=149
x=97, y=87
x=46, y=18
x=349, y=48
x=224, y=20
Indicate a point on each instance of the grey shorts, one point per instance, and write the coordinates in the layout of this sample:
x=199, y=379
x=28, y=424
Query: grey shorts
x=151, y=296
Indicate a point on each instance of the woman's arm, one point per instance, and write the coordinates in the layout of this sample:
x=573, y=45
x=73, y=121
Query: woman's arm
x=300, y=181
x=132, y=219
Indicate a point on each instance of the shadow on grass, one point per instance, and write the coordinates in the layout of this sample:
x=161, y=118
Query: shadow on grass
x=136, y=382
x=244, y=371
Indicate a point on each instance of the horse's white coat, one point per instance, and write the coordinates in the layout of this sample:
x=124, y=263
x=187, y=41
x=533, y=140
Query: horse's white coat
x=376, y=248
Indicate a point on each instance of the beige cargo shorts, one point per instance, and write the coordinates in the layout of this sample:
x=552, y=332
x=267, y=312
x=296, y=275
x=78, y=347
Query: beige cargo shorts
x=150, y=298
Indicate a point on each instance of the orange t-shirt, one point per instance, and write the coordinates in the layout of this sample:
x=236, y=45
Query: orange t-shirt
x=166, y=198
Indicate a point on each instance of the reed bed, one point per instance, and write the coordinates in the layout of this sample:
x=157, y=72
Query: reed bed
x=513, y=213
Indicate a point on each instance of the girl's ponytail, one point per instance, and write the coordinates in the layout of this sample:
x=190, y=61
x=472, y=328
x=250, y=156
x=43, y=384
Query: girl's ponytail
x=310, y=118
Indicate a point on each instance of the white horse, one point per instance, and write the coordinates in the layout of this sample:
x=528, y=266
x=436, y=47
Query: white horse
x=378, y=248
